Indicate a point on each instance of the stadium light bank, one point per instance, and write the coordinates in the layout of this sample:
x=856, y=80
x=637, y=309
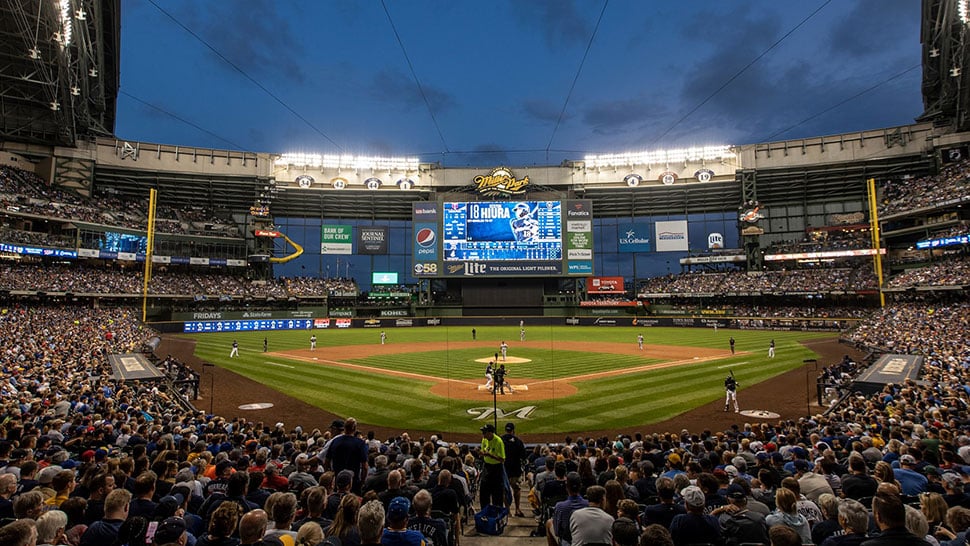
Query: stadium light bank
x=325, y=161
x=375, y=163
x=661, y=157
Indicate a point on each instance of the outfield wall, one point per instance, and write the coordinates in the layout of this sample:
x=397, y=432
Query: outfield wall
x=747, y=323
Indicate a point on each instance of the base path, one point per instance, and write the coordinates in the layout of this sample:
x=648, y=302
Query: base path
x=467, y=388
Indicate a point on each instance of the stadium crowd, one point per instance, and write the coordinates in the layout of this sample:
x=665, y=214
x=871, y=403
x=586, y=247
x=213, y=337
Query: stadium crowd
x=818, y=241
x=954, y=271
x=84, y=279
x=22, y=192
x=770, y=281
x=90, y=460
x=907, y=194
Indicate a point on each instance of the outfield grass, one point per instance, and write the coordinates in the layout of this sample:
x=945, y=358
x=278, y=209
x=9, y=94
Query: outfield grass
x=622, y=401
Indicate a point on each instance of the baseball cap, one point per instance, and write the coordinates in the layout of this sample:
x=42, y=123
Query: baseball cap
x=907, y=459
x=510, y=426
x=46, y=475
x=693, y=496
x=344, y=478
x=169, y=530
x=398, y=509
x=177, y=498
x=673, y=458
x=801, y=465
x=952, y=478
x=735, y=491
x=488, y=428
x=731, y=471
x=337, y=424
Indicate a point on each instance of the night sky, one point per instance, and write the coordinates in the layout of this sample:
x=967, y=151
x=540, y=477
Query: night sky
x=332, y=77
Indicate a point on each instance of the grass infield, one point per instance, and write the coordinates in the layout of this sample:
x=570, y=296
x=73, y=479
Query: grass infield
x=612, y=385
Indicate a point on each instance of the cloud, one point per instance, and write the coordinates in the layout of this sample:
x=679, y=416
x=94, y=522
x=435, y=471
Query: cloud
x=259, y=37
x=791, y=84
x=394, y=86
x=542, y=110
x=483, y=154
x=560, y=21
x=862, y=31
x=767, y=94
x=621, y=115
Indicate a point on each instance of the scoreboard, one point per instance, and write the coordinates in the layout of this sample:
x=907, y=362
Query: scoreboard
x=526, y=230
x=502, y=238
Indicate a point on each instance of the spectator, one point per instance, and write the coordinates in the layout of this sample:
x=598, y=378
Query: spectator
x=435, y=530
x=656, y=535
x=397, y=532
x=854, y=520
x=738, y=524
x=344, y=526
x=694, y=527
x=370, y=523
x=890, y=516
x=106, y=530
x=558, y=530
x=781, y=535
x=222, y=525
x=591, y=524
x=786, y=514
x=22, y=532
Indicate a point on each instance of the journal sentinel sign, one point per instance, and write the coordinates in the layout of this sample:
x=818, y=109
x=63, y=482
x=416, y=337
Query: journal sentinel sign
x=634, y=238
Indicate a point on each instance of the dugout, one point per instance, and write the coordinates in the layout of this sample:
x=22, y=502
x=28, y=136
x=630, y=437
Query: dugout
x=888, y=369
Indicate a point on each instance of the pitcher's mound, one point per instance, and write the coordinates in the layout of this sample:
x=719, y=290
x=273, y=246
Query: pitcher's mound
x=760, y=414
x=510, y=360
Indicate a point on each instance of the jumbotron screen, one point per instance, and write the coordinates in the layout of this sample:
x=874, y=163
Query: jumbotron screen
x=503, y=238
x=523, y=230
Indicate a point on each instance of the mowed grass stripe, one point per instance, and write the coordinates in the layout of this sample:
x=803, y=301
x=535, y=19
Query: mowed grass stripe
x=366, y=394
x=544, y=365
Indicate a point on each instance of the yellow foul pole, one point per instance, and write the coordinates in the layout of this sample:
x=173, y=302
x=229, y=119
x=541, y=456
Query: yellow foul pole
x=152, y=197
x=874, y=233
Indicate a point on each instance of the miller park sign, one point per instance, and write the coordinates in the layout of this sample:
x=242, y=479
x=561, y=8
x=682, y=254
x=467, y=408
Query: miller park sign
x=500, y=182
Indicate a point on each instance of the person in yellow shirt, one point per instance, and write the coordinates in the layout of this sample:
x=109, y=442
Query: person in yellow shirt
x=492, y=488
x=63, y=484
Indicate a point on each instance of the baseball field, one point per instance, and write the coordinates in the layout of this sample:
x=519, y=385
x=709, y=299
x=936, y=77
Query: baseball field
x=563, y=379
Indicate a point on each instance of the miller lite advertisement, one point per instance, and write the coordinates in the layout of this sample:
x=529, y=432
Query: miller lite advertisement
x=715, y=241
